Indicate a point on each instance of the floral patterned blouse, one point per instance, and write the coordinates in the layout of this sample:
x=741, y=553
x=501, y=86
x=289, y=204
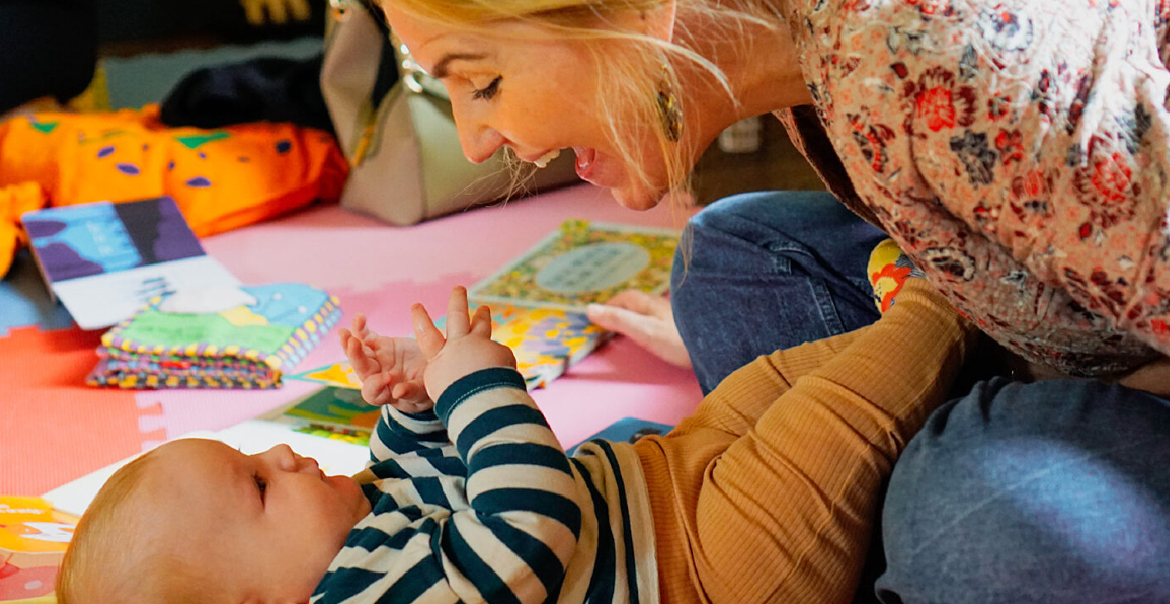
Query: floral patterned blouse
x=1018, y=150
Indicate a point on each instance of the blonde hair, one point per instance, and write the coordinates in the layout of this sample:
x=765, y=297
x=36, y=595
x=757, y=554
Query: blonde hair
x=631, y=82
x=114, y=557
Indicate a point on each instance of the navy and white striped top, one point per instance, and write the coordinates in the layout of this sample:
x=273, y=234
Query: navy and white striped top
x=476, y=501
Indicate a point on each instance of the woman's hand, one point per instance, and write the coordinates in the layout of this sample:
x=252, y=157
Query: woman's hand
x=390, y=369
x=467, y=347
x=645, y=318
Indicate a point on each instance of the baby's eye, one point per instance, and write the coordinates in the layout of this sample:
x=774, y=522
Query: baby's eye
x=261, y=486
x=487, y=92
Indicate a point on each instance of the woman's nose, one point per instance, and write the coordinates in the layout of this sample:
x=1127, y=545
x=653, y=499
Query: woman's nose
x=479, y=141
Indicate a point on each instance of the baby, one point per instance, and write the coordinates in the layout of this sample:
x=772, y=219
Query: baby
x=469, y=497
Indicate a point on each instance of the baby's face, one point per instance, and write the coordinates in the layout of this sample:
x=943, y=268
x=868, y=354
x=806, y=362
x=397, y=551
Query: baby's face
x=267, y=525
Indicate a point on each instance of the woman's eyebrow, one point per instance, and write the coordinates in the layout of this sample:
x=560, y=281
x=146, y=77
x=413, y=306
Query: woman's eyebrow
x=440, y=70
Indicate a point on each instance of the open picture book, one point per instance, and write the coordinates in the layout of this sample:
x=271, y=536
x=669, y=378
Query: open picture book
x=104, y=260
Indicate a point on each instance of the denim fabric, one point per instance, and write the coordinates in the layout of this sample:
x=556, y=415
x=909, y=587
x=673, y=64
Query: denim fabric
x=1050, y=492
x=760, y=272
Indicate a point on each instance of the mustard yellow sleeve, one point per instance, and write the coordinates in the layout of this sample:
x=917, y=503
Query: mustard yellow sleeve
x=799, y=494
x=742, y=397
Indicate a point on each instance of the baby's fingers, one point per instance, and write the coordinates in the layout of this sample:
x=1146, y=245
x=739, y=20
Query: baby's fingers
x=360, y=328
x=409, y=392
x=377, y=388
x=359, y=357
x=458, y=324
x=481, y=322
x=430, y=339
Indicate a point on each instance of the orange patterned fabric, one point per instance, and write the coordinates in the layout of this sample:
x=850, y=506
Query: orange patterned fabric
x=221, y=179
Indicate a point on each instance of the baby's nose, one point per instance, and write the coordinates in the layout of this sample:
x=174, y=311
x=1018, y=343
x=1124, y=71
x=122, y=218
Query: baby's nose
x=307, y=464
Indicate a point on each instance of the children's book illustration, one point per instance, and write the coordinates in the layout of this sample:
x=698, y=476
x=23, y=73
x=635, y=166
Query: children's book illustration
x=331, y=412
x=232, y=345
x=338, y=374
x=105, y=260
x=33, y=538
x=582, y=263
x=545, y=341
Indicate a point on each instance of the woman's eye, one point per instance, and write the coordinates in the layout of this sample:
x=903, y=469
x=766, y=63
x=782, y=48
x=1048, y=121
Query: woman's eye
x=487, y=92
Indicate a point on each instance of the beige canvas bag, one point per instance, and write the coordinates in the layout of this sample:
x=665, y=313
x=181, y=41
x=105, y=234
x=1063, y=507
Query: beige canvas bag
x=406, y=164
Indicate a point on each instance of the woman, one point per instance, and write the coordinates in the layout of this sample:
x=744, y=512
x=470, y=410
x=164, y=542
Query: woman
x=1017, y=151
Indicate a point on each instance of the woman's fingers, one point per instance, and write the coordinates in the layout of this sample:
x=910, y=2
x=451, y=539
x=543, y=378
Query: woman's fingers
x=642, y=303
x=645, y=319
x=430, y=339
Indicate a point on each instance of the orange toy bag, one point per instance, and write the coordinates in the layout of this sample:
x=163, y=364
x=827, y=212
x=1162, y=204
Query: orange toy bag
x=221, y=179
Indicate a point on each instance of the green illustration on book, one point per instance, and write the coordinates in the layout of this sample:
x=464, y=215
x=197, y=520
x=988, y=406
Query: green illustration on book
x=244, y=337
x=331, y=412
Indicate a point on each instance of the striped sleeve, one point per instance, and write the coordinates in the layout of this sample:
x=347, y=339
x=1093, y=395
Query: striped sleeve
x=511, y=540
x=399, y=433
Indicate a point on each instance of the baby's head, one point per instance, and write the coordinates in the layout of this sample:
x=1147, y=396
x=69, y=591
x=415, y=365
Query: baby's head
x=196, y=521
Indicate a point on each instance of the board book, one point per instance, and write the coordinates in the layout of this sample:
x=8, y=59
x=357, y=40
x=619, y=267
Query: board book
x=538, y=300
x=582, y=263
x=104, y=260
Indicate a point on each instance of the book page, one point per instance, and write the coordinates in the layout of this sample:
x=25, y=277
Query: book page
x=104, y=260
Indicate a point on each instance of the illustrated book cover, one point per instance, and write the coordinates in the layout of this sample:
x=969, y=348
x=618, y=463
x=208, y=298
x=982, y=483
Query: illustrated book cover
x=538, y=300
x=581, y=263
x=338, y=413
x=104, y=260
x=33, y=539
x=545, y=341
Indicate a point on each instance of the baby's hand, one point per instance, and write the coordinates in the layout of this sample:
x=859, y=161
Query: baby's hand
x=467, y=348
x=390, y=369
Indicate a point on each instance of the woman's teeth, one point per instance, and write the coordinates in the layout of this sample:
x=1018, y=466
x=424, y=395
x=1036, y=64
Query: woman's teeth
x=543, y=160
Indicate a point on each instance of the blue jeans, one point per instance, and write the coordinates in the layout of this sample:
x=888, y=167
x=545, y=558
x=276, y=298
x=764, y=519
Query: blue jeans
x=1049, y=492
x=761, y=272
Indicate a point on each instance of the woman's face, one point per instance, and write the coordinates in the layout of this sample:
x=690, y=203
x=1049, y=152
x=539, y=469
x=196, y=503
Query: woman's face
x=510, y=87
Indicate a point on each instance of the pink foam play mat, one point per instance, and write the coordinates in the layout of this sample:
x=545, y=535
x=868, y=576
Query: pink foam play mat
x=56, y=429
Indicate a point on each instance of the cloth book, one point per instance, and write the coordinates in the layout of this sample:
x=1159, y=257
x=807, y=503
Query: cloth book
x=245, y=337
